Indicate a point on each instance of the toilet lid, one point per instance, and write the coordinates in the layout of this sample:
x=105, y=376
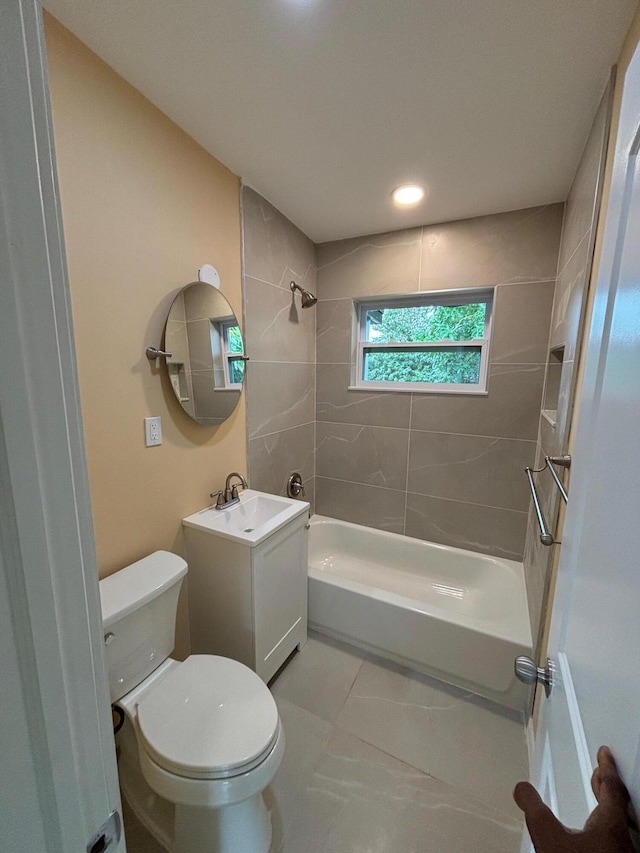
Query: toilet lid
x=210, y=717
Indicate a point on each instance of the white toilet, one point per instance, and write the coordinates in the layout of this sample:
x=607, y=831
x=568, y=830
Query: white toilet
x=202, y=739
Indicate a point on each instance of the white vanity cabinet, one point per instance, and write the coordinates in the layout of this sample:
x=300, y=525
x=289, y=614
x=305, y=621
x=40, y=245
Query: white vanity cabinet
x=249, y=602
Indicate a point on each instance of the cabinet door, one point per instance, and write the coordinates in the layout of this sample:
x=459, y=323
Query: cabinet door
x=280, y=596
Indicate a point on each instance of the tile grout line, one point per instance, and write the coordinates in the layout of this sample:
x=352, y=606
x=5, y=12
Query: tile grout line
x=420, y=495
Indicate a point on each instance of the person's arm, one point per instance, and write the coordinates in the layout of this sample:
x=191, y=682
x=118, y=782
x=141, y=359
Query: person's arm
x=606, y=830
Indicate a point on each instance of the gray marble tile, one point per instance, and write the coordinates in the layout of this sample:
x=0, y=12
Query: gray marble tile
x=580, y=204
x=474, y=469
x=459, y=739
x=275, y=250
x=565, y=404
x=276, y=327
x=280, y=395
x=507, y=247
x=521, y=320
x=175, y=341
x=199, y=341
x=367, y=266
x=319, y=676
x=272, y=458
x=362, y=454
x=552, y=383
x=368, y=505
x=359, y=799
x=548, y=437
x=208, y=403
x=570, y=288
x=500, y=532
x=306, y=736
x=310, y=493
x=333, y=337
x=536, y=562
x=337, y=404
x=509, y=410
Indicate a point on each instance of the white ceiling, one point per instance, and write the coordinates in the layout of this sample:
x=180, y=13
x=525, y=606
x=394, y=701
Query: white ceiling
x=324, y=106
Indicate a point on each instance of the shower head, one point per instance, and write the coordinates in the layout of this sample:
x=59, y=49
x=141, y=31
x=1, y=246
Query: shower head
x=308, y=299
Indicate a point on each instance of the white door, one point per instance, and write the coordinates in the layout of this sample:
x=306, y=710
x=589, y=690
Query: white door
x=58, y=774
x=595, y=630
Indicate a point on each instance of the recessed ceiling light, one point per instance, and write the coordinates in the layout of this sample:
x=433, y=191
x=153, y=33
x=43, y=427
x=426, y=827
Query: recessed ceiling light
x=408, y=194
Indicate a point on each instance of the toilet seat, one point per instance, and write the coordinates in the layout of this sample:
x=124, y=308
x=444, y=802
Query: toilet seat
x=208, y=718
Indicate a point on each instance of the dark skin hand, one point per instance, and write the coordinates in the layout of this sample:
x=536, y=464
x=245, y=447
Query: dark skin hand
x=607, y=828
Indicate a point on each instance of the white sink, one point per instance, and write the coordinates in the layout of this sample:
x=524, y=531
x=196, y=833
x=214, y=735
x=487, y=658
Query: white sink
x=250, y=522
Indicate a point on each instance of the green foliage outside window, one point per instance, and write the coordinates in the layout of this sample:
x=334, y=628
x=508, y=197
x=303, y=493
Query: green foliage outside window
x=431, y=323
x=234, y=339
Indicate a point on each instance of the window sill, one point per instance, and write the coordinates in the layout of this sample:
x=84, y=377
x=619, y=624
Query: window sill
x=376, y=389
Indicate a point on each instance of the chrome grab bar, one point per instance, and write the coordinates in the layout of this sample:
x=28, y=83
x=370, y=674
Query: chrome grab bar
x=549, y=461
x=545, y=537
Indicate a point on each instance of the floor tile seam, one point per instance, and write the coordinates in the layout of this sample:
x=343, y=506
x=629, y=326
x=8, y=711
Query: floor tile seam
x=467, y=793
x=348, y=694
x=422, y=495
x=314, y=714
x=385, y=752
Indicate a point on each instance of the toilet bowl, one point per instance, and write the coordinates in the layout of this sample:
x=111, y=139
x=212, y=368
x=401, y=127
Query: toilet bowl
x=201, y=738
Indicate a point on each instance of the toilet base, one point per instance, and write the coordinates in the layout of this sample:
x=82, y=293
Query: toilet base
x=244, y=827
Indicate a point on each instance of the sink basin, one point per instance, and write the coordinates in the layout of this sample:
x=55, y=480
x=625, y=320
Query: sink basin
x=256, y=517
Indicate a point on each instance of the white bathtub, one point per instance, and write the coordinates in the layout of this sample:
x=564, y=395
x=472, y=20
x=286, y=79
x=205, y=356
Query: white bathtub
x=456, y=615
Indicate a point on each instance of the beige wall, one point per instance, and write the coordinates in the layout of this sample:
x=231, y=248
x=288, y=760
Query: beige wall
x=143, y=207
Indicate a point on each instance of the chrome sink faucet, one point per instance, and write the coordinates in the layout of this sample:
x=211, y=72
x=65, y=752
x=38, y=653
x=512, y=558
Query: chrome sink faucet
x=229, y=495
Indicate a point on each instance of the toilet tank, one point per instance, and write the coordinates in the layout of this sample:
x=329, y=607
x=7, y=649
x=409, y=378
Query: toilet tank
x=139, y=605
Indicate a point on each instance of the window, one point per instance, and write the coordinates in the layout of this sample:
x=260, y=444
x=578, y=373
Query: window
x=227, y=351
x=233, y=354
x=424, y=342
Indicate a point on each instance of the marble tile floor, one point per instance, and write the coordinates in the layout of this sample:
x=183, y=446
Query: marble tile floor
x=380, y=759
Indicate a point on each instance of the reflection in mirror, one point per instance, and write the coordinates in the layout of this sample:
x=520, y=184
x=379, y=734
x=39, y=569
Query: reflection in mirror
x=207, y=362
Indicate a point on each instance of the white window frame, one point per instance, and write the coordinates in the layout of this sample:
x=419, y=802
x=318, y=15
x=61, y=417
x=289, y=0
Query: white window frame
x=227, y=355
x=416, y=300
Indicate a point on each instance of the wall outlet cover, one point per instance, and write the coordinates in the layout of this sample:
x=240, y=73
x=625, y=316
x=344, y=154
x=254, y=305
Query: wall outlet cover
x=153, y=431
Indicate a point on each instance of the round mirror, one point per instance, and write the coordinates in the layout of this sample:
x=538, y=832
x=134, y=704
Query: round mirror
x=207, y=361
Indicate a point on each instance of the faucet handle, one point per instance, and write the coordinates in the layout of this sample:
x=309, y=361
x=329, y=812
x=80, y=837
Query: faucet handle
x=220, y=497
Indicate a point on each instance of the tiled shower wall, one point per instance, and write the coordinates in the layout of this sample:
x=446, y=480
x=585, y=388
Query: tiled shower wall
x=574, y=269
x=440, y=467
x=280, y=341
x=448, y=468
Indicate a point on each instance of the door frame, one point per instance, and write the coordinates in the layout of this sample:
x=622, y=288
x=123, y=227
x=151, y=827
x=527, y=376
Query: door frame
x=59, y=771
